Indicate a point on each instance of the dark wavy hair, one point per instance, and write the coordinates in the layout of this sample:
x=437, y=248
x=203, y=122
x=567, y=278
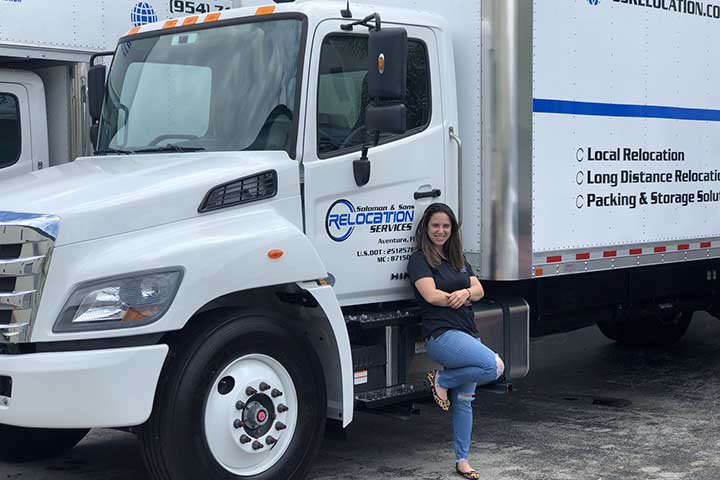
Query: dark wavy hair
x=453, y=247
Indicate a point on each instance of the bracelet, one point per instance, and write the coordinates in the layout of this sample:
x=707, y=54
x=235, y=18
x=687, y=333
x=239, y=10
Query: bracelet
x=469, y=293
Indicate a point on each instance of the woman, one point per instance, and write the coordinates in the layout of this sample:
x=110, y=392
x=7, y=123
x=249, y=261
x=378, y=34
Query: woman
x=445, y=287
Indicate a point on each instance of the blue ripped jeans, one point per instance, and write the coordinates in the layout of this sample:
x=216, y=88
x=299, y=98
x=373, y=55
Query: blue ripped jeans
x=467, y=363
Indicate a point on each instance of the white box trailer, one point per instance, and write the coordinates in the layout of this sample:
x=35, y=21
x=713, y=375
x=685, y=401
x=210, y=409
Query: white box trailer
x=45, y=48
x=229, y=271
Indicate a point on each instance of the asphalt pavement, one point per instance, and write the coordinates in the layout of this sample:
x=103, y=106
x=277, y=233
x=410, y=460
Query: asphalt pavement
x=589, y=410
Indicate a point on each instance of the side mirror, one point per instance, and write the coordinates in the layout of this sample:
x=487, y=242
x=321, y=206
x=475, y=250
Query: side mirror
x=386, y=118
x=387, y=83
x=387, y=72
x=96, y=90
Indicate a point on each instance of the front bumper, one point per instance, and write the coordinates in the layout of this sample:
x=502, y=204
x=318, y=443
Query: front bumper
x=84, y=389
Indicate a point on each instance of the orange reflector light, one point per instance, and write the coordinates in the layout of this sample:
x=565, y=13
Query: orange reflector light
x=539, y=272
x=134, y=30
x=212, y=17
x=190, y=20
x=136, y=314
x=275, y=254
x=170, y=24
x=265, y=10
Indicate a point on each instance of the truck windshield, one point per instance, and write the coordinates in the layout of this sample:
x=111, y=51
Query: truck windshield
x=219, y=89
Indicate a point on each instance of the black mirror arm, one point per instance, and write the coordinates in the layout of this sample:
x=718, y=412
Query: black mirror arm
x=94, y=56
x=365, y=22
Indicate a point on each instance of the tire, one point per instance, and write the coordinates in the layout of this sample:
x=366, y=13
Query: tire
x=647, y=330
x=193, y=431
x=18, y=444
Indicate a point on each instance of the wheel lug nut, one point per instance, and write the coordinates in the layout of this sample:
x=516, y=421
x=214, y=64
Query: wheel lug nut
x=240, y=405
x=238, y=423
x=279, y=426
x=271, y=440
x=257, y=445
x=250, y=391
x=282, y=408
x=244, y=439
x=276, y=393
x=264, y=386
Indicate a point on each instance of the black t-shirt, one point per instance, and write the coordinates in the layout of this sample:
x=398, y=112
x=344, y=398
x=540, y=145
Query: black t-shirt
x=436, y=320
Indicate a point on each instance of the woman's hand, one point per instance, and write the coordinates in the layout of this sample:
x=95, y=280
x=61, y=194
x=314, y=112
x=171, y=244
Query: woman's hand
x=458, y=298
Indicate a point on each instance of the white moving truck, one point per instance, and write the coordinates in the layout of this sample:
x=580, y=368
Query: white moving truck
x=229, y=271
x=45, y=48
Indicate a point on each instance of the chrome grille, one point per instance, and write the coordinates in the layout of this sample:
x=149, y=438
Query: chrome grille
x=26, y=243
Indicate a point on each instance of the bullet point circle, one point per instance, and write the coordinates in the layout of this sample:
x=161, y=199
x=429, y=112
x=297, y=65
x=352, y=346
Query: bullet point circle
x=580, y=201
x=580, y=178
x=580, y=155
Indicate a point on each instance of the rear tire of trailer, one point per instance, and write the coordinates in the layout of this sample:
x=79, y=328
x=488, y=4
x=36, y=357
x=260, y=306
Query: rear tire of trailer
x=647, y=330
x=18, y=444
x=226, y=386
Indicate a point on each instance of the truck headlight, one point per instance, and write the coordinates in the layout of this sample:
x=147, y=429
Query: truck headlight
x=127, y=301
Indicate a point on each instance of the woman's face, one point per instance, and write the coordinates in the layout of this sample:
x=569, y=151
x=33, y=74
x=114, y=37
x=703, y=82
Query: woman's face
x=439, y=229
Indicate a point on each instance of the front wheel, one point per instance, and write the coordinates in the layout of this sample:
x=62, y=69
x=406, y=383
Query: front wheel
x=243, y=398
x=19, y=444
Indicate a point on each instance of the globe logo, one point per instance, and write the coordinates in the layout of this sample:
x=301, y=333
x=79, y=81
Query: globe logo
x=143, y=13
x=593, y=2
x=338, y=220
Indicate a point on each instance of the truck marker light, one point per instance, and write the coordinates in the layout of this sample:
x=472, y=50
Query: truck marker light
x=267, y=10
x=636, y=251
x=610, y=253
x=170, y=24
x=706, y=245
x=274, y=254
x=539, y=272
x=212, y=17
x=135, y=314
x=684, y=246
x=659, y=249
x=582, y=256
x=190, y=20
x=554, y=259
x=381, y=63
x=134, y=30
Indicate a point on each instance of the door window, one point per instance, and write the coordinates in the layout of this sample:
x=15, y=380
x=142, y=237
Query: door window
x=10, y=137
x=343, y=93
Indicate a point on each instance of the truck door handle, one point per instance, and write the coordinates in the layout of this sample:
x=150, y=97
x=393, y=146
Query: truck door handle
x=435, y=192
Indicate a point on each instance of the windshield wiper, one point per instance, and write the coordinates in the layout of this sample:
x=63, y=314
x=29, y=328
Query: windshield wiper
x=169, y=148
x=109, y=151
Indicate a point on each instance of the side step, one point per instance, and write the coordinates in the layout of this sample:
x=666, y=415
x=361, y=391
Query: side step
x=414, y=391
x=389, y=395
x=382, y=318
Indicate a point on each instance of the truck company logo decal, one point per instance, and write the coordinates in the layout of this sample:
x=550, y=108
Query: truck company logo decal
x=593, y=2
x=343, y=217
x=142, y=14
x=687, y=7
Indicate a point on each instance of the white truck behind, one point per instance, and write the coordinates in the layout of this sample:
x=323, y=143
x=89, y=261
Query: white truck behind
x=229, y=271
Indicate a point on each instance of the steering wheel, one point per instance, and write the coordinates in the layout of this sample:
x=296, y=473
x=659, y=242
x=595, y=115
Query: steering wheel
x=172, y=135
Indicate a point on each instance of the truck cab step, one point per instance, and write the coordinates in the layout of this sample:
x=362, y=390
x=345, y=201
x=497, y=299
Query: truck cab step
x=382, y=318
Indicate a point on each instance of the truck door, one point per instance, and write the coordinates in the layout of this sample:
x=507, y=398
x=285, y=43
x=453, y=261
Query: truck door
x=365, y=234
x=15, y=149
